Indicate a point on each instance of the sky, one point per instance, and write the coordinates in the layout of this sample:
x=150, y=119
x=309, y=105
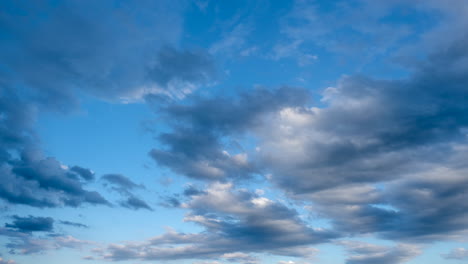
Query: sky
x=218, y=132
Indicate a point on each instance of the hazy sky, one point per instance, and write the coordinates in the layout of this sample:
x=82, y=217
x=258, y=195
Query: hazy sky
x=209, y=132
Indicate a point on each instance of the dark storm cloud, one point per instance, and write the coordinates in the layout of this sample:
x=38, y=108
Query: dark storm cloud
x=31, y=224
x=235, y=222
x=194, y=147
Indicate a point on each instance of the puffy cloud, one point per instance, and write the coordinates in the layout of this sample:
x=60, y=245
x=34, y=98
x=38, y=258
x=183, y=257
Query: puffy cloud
x=381, y=156
x=43, y=182
x=194, y=147
x=235, y=225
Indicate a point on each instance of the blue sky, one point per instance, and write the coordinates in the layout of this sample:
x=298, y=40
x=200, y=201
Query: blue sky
x=250, y=132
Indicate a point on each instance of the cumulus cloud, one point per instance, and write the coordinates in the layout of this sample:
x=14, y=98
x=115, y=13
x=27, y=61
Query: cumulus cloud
x=235, y=225
x=194, y=147
x=380, y=151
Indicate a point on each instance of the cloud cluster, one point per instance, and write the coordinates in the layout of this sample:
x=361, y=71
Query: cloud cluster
x=113, y=50
x=32, y=235
x=376, y=156
x=235, y=223
x=195, y=146
x=395, y=143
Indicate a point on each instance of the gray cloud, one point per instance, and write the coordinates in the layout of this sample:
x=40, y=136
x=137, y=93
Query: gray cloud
x=104, y=48
x=84, y=173
x=194, y=147
x=24, y=243
x=236, y=223
x=125, y=186
x=457, y=253
x=135, y=203
x=31, y=224
x=75, y=224
x=113, y=51
x=122, y=183
x=363, y=253
x=381, y=156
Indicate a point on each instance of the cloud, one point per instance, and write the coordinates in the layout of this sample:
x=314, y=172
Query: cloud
x=43, y=182
x=194, y=147
x=363, y=253
x=179, y=72
x=374, y=142
x=84, y=173
x=125, y=186
x=234, y=225
x=113, y=51
x=4, y=261
x=135, y=203
x=75, y=224
x=27, y=243
x=309, y=27
x=240, y=257
x=457, y=253
x=87, y=46
x=28, y=177
x=31, y=224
